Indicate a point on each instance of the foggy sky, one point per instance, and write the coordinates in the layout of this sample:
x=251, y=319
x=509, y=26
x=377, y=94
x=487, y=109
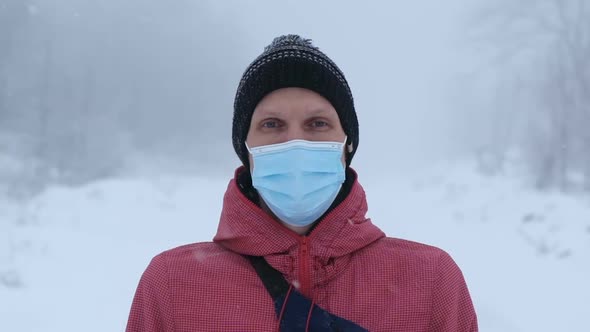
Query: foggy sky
x=174, y=67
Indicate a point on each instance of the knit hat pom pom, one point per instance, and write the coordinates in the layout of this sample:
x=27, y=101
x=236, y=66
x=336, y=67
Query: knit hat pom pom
x=290, y=40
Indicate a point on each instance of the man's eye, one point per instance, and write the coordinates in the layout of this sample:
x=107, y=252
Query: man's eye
x=270, y=124
x=319, y=123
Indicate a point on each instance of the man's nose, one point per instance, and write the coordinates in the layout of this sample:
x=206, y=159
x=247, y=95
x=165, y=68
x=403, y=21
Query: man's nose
x=295, y=132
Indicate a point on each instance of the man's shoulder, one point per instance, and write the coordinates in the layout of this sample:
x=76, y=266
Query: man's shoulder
x=408, y=253
x=192, y=249
x=409, y=246
x=195, y=257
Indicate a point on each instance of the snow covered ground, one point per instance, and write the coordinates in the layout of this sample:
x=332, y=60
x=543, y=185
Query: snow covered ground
x=70, y=259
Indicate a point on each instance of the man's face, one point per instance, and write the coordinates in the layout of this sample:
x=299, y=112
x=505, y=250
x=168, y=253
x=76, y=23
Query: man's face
x=294, y=113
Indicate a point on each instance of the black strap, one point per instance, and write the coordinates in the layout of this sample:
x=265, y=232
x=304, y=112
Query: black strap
x=297, y=307
x=273, y=280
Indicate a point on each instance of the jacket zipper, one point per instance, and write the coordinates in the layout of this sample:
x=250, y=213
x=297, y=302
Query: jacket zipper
x=304, y=276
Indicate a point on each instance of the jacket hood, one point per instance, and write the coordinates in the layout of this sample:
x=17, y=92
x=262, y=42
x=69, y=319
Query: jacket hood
x=246, y=229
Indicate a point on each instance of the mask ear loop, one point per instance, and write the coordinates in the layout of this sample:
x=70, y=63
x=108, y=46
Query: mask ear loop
x=349, y=147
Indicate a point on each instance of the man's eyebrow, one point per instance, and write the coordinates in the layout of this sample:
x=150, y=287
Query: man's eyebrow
x=265, y=113
x=318, y=111
x=270, y=113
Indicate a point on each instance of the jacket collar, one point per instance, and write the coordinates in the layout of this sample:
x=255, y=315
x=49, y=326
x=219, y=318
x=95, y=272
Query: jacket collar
x=246, y=229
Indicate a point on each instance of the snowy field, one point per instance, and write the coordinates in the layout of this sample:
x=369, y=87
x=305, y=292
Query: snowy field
x=70, y=259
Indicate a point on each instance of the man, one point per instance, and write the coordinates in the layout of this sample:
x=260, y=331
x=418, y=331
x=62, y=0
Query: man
x=294, y=250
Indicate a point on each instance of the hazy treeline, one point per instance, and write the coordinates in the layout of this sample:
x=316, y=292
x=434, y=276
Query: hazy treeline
x=84, y=84
x=90, y=88
x=538, y=56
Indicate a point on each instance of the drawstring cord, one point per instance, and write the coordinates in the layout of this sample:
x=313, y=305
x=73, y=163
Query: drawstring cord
x=283, y=307
x=309, y=316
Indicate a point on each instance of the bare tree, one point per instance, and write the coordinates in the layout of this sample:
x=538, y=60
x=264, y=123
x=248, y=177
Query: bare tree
x=86, y=85
x=548, y=43
x=13, y=15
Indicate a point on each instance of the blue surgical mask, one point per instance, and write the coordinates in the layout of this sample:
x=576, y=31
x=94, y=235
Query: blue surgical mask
x=298, y=180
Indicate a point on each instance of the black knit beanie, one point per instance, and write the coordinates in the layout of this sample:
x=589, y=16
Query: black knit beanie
x=291, y=61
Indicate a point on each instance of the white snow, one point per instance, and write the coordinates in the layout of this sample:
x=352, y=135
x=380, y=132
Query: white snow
x=70, y=259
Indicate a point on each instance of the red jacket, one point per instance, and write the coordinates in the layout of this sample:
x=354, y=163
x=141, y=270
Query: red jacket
x=346, y=266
